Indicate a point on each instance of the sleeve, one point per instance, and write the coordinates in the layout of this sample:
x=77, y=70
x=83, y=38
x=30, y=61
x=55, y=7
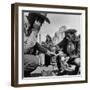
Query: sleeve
x=62, y=43
x=41, y=48
x=26, y=47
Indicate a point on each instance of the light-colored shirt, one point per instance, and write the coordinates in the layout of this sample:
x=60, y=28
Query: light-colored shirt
x=30, y=41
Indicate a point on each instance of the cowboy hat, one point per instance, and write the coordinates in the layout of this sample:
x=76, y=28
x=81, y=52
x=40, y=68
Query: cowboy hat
x=71, y=31
x=40, y=15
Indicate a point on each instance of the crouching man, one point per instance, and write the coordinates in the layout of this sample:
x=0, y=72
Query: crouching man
x=31, y=29
x=69, y=46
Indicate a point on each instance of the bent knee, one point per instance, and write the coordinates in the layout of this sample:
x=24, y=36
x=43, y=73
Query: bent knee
x=77, y=61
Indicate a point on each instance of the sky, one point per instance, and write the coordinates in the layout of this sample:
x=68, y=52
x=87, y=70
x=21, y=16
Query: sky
x=58, y=20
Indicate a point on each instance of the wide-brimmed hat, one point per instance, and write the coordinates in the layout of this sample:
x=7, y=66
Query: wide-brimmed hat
x=41, y=15
x=71, y=31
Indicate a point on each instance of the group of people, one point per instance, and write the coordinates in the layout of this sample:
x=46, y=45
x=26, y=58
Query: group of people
x=67, y=52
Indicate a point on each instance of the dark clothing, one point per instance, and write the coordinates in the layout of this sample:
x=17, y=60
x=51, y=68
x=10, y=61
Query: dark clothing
x=64, y=46
x=47, y=60
x=58, y=62
x=38, y=47
x=48, y=45
x=69, y=51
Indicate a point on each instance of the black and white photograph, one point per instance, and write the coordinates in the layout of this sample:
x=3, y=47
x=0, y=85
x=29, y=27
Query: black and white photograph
x=50, y=44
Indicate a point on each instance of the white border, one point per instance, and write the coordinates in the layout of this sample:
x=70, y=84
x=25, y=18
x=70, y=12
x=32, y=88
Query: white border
x=53, y=78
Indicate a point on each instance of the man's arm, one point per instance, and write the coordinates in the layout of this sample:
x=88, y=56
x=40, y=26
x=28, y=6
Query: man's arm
x=41, y=48
x=62, y=43
x=44, y=50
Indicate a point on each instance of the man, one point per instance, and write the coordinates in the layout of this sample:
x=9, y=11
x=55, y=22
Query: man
x=48, y=44
x=31, y=61
x=68, y=46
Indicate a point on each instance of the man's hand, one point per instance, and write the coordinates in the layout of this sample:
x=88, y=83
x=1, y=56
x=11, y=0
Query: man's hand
x=50, y=53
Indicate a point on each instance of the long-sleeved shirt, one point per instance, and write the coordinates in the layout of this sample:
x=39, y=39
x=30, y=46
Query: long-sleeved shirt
x=67, y=47
x=36, y=47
